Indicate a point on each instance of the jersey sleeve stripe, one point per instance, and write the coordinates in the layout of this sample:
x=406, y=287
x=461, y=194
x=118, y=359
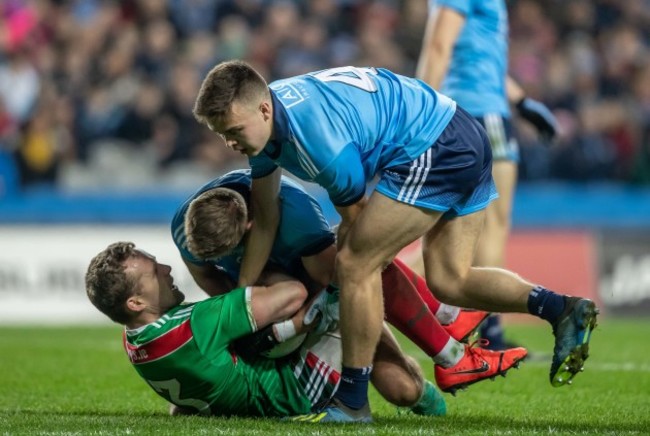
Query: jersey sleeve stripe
x=159, y=347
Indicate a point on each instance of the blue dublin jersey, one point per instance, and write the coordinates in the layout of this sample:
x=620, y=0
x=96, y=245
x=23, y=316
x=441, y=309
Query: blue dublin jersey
x=479, y=63
x=303, y=230
x=339, y=127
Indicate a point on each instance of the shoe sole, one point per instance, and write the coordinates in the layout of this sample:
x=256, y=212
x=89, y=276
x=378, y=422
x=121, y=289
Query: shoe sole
x=463, y=386
x=575, y=360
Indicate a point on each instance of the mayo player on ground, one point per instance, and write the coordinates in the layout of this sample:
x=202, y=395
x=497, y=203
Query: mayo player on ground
x=184, y=351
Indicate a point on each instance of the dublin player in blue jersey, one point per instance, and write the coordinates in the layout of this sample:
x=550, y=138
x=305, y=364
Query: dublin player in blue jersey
x=343, y=127
x=465, y=55
x=303, y=248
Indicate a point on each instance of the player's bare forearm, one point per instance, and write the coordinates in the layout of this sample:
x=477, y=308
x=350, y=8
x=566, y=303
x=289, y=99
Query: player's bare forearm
x=257, y=250
x=265, y=209
x=277, y=302
x=210, y=279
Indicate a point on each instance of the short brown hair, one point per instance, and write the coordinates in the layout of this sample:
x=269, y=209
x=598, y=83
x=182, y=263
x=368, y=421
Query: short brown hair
x=225, y=83
x=107, y=284
x=215, y=223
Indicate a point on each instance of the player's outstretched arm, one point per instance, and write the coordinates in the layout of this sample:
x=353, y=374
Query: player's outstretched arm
x=265, y=209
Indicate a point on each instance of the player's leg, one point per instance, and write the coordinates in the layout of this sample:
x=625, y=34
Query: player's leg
x=453, y=360
x=449, y=248
x=459, y=323
x=491, y=248
x=406, y=310
x=398, y=378
x=448, y=251
x=452, y=244
x=380, y=231
x=456, y=365
x=447, y=256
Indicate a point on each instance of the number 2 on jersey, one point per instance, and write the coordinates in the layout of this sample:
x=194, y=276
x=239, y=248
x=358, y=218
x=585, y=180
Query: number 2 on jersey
x=358, y=77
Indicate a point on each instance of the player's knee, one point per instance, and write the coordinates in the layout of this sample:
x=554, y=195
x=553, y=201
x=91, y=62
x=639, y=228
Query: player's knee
x=352, y=265
x=408, y=387
x=417, y=382
x=447, y=285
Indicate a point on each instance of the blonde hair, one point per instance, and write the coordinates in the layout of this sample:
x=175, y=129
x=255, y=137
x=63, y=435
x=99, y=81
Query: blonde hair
x=225, y=83
x=215, y=223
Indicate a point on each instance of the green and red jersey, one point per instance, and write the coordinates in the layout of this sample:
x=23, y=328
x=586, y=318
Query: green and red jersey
x=185, y=356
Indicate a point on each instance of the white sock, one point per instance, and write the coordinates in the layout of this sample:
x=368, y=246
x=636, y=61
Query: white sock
x=450, y=354
x=447, y=314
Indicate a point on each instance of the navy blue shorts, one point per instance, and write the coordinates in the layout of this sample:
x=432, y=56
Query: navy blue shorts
x=454, y=176
x=500, y=133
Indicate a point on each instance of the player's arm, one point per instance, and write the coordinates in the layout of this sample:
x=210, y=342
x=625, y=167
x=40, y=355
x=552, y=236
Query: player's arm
x=265, y=206
x=443, y=28
x=320, y=266
x=278, y=312
x=283, y=309
x=252, y=319
x=277, y=302
x=209, y=278
x=533, y=111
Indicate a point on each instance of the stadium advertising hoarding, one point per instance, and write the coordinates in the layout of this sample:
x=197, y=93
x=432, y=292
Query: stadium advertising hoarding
x=625, y=272
x=42, y=269
x=611, y=267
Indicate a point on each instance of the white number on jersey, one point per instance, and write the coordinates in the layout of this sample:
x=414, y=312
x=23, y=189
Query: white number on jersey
x=173, y=388
x=358, y=77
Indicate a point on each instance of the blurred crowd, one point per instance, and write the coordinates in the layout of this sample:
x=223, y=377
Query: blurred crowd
x=100, y=93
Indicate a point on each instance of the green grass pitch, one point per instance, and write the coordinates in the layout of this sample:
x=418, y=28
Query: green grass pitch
x=76, y=380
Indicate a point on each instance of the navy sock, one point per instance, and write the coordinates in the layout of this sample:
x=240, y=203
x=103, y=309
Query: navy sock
x=545, y=304
x=353, y=387
x=492, y=331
